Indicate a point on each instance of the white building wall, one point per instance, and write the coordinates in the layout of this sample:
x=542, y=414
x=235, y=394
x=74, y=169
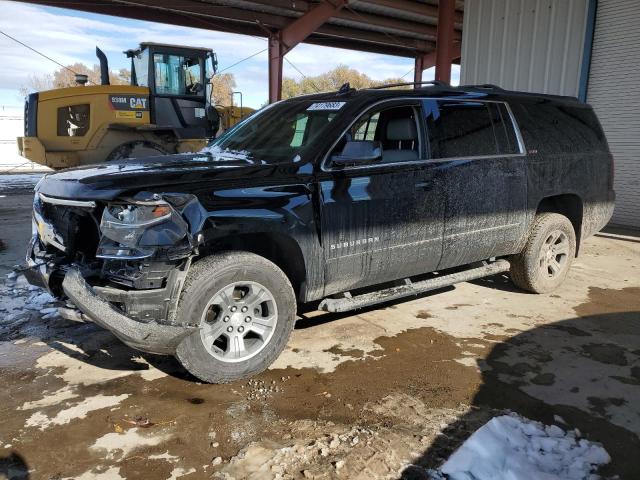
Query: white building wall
x=528, y=45
x=614, y=92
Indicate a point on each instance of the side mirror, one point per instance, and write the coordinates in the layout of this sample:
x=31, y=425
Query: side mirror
x=358, y=151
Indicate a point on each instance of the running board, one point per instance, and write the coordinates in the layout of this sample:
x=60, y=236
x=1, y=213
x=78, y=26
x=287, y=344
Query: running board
x=366, y=299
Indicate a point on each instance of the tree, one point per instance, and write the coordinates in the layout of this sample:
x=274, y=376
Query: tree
x=223, y=85
x=37, y=83
x=65, y=77
x=331, y=81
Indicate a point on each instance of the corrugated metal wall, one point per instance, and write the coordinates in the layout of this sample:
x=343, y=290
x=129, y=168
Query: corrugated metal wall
x=529, y=45
x=614, y=92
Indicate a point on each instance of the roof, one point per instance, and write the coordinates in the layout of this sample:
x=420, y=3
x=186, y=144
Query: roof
x=395, y=27
x=135, y=51
x=437, y=90
x=169, y=45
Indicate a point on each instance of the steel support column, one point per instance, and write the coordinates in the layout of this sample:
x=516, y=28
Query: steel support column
x=428, y=60
x=276, y=56
x=418, y=67
x=283, y=41
x=444, y=40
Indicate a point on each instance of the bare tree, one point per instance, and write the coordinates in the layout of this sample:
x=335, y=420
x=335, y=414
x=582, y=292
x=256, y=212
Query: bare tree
x=223, y=85
x=330, y=81
x=65, y=77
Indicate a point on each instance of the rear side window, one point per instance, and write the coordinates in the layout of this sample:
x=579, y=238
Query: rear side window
x=560, y=128
x=469, y=129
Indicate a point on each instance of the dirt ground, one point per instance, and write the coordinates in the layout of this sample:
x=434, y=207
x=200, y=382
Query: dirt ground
x=382, y=393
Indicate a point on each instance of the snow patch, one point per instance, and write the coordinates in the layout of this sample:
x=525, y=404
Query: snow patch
x=512, y=447
x=119, y=445
x=78, y=372
x=180, y=472
x=80, y=410
x=164, y=456
x=221, y=154
x=50, y=399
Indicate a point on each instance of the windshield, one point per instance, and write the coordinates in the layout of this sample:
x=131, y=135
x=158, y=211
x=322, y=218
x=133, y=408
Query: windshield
x=275, y=134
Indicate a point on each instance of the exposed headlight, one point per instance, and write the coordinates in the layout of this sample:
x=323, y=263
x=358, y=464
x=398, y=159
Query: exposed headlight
x=126, y=215
x=133, y=229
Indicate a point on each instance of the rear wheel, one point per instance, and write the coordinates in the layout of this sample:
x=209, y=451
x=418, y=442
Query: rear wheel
x=245, y=307
x=544, y=262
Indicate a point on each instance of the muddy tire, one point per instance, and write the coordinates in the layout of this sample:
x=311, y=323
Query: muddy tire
x=544, y=262
x=245, y=307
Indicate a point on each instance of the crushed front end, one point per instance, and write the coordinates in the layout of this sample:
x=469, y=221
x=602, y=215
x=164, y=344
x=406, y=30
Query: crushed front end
x=122, y=263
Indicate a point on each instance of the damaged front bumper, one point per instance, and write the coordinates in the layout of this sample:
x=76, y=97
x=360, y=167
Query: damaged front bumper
x=124, y=273
x=97, y=304
x=146, y=336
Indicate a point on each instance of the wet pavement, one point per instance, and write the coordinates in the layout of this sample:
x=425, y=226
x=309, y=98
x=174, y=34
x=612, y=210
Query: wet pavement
x=381, y=393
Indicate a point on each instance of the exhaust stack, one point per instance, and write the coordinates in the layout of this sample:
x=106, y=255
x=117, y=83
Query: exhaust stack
x=104, y=67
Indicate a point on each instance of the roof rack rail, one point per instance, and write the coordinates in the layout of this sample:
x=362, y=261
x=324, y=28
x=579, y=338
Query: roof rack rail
x=436, y=83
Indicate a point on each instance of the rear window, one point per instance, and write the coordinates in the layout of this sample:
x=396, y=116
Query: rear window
x=73, y=121
x=469, y=129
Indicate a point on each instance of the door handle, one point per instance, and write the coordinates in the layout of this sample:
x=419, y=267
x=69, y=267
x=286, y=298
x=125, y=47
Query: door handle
x=423, y=185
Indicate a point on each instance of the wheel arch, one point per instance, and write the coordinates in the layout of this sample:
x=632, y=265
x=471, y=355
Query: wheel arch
x=278, y=248
x=568, y=204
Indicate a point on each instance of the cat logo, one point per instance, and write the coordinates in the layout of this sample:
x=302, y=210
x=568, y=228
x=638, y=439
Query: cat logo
x=138, y=103
x=129, y=102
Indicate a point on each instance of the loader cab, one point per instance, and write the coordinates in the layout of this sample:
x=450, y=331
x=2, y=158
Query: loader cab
x=178, y=79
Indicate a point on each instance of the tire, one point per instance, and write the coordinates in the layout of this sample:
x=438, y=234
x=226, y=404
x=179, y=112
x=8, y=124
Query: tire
x=136, y=149
x=241, y=293
x=546, y=258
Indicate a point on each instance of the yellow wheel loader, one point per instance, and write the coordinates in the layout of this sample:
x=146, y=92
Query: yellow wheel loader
x=166, y=109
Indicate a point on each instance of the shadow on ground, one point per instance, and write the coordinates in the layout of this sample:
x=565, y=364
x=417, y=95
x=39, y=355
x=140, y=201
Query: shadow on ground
x=585, y=370
x=14, y=466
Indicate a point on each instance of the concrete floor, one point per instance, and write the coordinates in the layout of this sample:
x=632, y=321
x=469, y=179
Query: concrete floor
x=376, y=394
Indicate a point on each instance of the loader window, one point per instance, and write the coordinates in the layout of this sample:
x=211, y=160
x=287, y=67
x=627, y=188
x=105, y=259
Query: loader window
x=73, y=121
x=141, y=68
x=177, y=75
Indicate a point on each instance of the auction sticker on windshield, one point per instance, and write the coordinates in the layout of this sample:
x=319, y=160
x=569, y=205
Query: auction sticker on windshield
x=326, y=106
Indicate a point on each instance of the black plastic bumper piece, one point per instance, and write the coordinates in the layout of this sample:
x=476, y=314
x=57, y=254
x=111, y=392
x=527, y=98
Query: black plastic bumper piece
x=148, y=337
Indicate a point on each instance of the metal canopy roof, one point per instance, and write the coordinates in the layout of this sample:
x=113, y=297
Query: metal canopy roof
x=395, y=27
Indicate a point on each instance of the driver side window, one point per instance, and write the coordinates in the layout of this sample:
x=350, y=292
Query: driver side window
x=395, y=129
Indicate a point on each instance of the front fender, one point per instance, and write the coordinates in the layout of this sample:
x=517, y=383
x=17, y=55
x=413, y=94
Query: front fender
x=283, y=211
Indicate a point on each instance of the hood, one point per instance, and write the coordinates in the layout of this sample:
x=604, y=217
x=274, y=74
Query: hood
x=167, y=172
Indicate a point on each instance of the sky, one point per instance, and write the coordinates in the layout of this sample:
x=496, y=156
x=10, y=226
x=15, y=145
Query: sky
x=69, y=37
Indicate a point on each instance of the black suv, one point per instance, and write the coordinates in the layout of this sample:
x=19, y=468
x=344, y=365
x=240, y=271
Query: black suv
x=349, y=198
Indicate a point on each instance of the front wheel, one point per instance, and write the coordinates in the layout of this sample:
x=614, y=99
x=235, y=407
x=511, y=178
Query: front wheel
x=245, y=307
x=544, y=262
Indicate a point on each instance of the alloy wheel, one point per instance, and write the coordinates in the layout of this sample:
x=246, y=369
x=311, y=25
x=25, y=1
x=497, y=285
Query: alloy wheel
x=238, y=321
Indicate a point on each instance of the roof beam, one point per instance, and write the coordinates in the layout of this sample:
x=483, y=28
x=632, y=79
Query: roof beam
x=284, y=40
x=413, y=7
x=354, y=14
x=302, y=27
